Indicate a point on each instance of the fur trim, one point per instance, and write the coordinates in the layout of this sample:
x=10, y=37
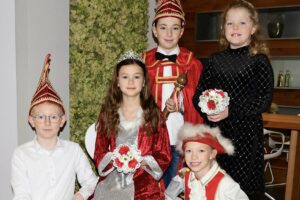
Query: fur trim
x=190, y=131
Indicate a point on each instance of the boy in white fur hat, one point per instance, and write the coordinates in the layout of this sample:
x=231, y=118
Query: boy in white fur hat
x=204, y=179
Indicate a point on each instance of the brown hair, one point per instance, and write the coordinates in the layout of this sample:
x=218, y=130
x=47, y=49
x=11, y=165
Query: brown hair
x=108, y=119
x=257, y=44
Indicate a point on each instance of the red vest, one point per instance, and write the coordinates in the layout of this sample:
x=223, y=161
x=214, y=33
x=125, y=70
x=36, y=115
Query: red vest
x=185, y=62
x=210, y=188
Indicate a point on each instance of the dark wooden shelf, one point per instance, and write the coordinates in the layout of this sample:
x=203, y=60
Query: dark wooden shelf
x=286, y=96
x=282, y=47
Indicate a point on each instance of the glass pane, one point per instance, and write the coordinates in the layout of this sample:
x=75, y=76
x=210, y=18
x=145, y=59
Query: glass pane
x=207, y=26
x=280, y=22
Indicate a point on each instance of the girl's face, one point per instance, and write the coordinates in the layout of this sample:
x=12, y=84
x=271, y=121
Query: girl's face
x=131, y=80
x=199, y=157
x=238, y=27
x=168, y=31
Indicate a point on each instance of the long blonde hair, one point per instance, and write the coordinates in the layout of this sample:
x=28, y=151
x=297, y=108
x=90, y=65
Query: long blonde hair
x=257, y=44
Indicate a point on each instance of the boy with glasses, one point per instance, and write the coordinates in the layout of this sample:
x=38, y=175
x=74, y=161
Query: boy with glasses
x=46, y=167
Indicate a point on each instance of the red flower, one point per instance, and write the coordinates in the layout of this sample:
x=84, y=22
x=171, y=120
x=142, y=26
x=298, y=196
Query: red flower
x=119, y=163
x=124, y=150
x=132, y=163
x=220, y=93
x=211, y=105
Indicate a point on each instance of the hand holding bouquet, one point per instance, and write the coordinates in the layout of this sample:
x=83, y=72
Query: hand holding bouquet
x=126, y=158
x=213, y=101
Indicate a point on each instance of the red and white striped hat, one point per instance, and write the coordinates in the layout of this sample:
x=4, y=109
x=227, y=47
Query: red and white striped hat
x=169, y=8
x=45, y=91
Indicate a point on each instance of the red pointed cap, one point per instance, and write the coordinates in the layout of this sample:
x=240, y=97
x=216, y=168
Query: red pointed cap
x=169, y=8
x=45, y=91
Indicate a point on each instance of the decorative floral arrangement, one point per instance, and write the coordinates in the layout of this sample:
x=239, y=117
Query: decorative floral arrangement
x=126, y=158
x=213, y=101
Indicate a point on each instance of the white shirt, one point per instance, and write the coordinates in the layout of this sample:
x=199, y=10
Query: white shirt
x=227, y=189
x=175, y=119
x=39, y=174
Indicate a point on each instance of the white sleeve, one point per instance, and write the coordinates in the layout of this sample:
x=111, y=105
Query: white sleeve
x=228, y=189
x=155, y=171
x=19, y=180
x=106, y=160
x=175, y=187
x=85, y=175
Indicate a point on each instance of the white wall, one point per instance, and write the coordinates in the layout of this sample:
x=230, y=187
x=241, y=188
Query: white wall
x=42, y=26
x=29, y=30
x=151, y=42
x=8, y=88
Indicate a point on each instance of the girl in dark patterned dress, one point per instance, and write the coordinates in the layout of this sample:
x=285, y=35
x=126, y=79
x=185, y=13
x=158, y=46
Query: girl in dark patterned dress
x=244, y=71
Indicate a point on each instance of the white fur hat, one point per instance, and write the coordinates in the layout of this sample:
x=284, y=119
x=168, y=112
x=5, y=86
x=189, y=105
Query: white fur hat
x=204, y=134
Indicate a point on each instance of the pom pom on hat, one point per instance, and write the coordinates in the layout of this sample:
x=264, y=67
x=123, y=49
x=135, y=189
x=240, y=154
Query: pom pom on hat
x=206, y=135
x=45, y=91
x=169, y=8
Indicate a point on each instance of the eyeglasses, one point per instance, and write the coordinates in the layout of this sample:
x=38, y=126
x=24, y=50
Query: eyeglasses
x=40, y=118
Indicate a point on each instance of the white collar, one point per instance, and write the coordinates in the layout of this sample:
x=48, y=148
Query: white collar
x=38, y=147
x=130, y=124
x=174, y=51
x=209, y=175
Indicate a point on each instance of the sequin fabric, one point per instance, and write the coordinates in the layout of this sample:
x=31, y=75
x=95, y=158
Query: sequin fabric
x=249, y=82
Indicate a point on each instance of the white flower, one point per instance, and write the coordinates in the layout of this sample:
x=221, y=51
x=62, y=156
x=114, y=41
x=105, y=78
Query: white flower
x=213, y=101
x=126, y=158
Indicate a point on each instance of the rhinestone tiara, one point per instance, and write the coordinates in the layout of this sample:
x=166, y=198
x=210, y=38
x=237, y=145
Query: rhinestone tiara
x=130, y=55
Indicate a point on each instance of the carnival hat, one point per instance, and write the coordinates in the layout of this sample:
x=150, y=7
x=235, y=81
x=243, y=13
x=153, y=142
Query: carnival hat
x=45, y=91
x=206, y=135
x=168, y=8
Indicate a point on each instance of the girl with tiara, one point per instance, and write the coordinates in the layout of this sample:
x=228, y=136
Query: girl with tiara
x=132, y=147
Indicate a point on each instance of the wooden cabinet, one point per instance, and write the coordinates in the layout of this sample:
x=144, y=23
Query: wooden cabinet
x=282, y=47
x=287, y=97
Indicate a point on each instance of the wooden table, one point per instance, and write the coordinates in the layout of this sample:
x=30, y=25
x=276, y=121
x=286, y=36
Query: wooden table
x=291, y=122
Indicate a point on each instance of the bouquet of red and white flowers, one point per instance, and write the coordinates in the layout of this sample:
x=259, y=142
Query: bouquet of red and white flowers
x=126, y=158
x=213, y=101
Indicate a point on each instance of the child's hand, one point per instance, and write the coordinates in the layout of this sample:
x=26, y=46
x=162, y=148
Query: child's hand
x=218, y=117
x=170, y=104
x=77, y=196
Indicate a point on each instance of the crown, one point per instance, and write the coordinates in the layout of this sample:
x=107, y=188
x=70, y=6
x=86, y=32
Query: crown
x=130, y=55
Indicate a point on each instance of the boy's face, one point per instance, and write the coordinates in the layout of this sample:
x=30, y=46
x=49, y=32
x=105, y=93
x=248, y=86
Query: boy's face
x=199, y=157
x=47, y=119
x=168, y=31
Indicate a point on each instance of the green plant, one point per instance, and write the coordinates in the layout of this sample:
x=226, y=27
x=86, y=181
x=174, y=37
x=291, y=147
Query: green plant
x=100, y=31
